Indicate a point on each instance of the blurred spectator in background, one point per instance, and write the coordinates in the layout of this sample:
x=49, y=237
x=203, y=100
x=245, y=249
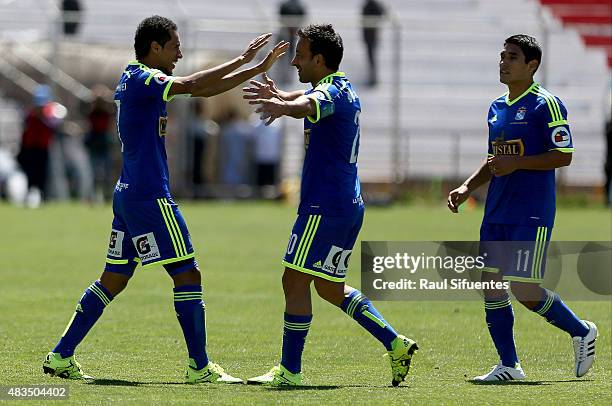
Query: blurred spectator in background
x=70, y=174
x=70, y=169
x=267, y=151
x=98, y=142
x=203, y=132
x=72, y=16
x=608, y=165
x=38, y=130
x=13, y=182
x=371, y=11
x=234, y=155
x=291, y=14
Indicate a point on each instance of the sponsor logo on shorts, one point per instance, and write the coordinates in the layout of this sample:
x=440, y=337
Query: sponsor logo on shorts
x=146, y=246
x=344, y=261
x=337, y=261
x=115, y=245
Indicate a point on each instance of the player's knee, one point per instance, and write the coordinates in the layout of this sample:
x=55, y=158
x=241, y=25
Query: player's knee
x=114, y=282
x=295, y=282
x=188, y=277
x=331, y=291
x=528, y=294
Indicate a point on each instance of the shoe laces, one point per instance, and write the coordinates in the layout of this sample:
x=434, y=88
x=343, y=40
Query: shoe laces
x=580, y=348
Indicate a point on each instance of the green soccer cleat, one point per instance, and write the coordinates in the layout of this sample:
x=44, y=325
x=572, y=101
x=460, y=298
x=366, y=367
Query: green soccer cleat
x=400, y=357
x=278, y=376
x=67, y=368
x=211, y=373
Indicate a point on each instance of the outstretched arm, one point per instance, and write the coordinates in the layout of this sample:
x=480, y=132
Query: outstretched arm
x=273, y=108
x=219, y=79
x=267, y=90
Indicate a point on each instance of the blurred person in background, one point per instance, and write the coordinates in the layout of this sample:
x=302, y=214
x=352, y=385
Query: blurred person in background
x=38, y=132
x=203, y=132
x=291, y=15
x=235, y=149
x=267, y=152
x=72, y=16
x=148, y=227
x=98, y=142
x=371, y=10
x=70, y=167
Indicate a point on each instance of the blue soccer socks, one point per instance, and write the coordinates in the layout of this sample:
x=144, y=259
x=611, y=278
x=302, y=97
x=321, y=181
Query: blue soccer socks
x=294, y=337
x=190, y=312
x=88, y=311
x=359, y=307
x=552, y=308
x=500, y=320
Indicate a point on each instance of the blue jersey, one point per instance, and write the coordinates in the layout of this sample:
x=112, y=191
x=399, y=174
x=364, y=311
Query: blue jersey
x=330, y=185
x=141, y=97
x=532, y=124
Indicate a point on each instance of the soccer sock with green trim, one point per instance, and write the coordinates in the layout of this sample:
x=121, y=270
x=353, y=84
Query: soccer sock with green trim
x=500, y=320
x=552, y=308
x=294, y=337
x=88, y=311
x=190, y=312
x=359, y=307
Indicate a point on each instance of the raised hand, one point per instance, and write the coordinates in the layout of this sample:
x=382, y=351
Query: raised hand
x=255, y=46
x=276, y=52
x=259, y=90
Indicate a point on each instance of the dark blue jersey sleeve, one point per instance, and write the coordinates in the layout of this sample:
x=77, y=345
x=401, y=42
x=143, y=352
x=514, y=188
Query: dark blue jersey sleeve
x=154, y=84
x=553, y=125
x=325, y=96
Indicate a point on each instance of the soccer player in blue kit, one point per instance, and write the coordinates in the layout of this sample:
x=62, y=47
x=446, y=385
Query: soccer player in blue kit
x=331, y=208
x=529, y=137
x=148, y=228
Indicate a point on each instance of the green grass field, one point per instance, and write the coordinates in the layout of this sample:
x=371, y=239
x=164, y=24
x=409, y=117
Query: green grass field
x=136, y=351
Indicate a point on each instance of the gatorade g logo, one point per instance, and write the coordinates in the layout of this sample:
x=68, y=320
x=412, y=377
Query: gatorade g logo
x=333, y=259
x=143, y=245
x=146, y=246
x=115, y=245
x=344, y=262
x=337, y=260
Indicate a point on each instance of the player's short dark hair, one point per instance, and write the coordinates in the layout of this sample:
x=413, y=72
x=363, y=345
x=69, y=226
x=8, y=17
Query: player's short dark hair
x=325, y=41
x=155, y=28
x=529, y=45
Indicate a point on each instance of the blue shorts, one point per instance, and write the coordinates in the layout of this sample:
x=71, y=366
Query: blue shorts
x=150, y=232
x=519, y=252
x=322, y=245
